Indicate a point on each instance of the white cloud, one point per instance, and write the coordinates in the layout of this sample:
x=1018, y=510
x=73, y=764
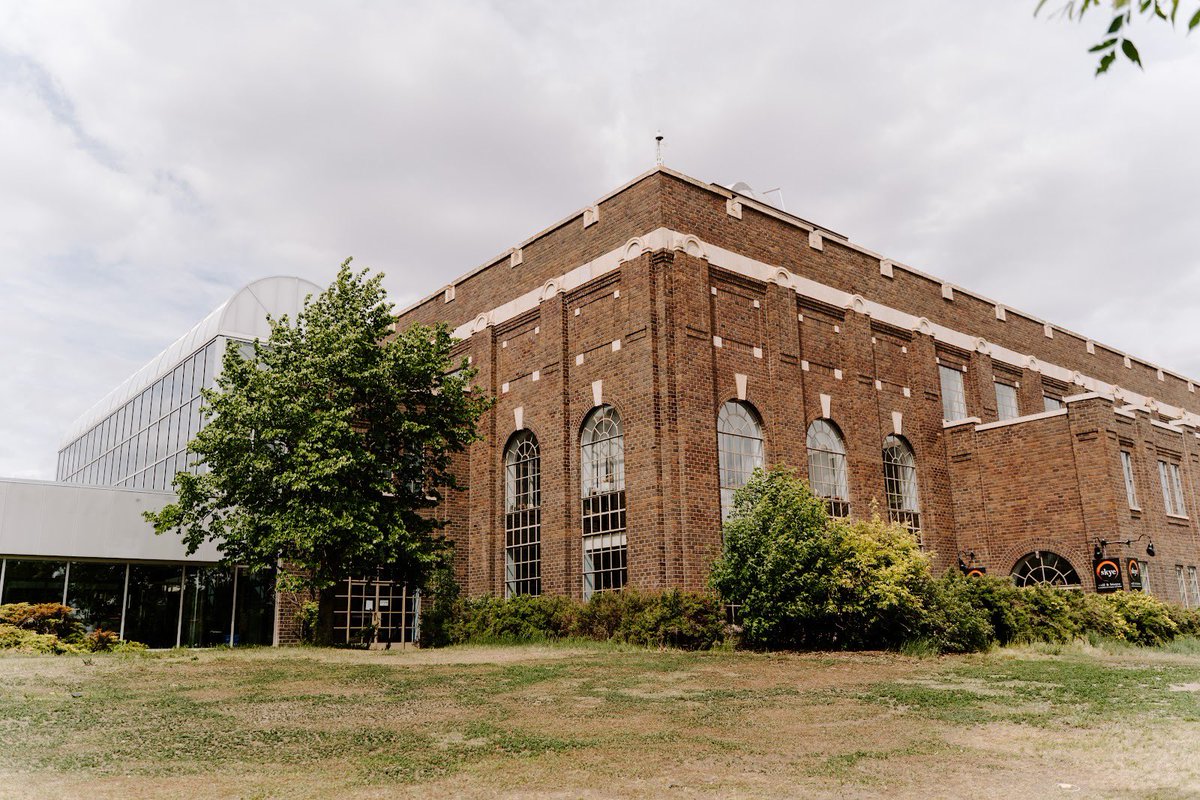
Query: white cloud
x=154, y=157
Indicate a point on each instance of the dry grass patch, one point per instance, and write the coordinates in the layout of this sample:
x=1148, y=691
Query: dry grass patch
x=586, y=720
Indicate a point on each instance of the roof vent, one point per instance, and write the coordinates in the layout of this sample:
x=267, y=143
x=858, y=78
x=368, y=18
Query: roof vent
x=745, y=190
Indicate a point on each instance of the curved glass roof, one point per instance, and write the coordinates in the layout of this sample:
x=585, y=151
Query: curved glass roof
x=242, y=316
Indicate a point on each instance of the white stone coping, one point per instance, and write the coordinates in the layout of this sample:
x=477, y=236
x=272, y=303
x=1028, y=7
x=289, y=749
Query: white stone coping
x=1058, y=412
x=947, y=288
x=664, y=238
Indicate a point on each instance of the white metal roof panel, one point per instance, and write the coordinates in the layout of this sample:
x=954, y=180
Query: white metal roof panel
x=242, y=316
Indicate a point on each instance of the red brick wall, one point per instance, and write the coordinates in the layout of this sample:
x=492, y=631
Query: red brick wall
x=1052, y=483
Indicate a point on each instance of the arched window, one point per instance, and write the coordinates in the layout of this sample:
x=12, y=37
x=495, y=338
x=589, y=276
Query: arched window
x=1044, y=567
x=522, y=515
x=827, y=466
x=602, y=486
x=900, y=482
x=739, y=449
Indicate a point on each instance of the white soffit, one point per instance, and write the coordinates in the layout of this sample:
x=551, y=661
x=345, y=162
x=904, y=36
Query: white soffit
x=45, y=519
x=242, y=316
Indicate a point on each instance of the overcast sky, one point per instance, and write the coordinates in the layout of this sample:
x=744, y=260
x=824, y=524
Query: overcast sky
x=154, y=157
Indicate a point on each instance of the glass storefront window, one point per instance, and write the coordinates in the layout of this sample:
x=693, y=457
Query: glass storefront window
x=207, y=606
x=255, y=623
x=94, y=590
x=152, y=607
x=30, y=581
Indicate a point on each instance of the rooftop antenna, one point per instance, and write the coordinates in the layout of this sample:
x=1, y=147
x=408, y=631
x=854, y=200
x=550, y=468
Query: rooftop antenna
x=658, y=140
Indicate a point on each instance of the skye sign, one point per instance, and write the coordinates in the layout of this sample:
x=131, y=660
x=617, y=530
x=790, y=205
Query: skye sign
x=1108, y=574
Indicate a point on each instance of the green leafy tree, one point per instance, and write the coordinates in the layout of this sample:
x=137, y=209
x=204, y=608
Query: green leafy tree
x=805, y=580
x=327, y=445
x=1125, y=13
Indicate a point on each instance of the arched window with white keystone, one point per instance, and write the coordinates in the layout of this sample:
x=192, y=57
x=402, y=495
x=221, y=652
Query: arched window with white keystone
x=739, y=449
x=900, y=482
x=522, y=515
x=602, y=487
x=827, y=466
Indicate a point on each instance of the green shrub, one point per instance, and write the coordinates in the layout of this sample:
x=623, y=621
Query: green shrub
x=524, y=618
x=309, y=617
x=1047, y=614
x=49, y=618
x=1096, y=616
x=997, y=598
x=439, y=605
x=959, y=620
x=803, y=580
x=52, y=628
x=675, y=618
x=1187, y=623
x=686, y=620
x=606, y=615
x=28, y=641
x=1147, y=620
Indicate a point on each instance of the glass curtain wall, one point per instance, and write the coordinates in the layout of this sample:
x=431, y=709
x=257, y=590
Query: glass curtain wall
x=220, y=605
x=152, y=609
x=143, y=444
x=157, y=604
x=207, y=607
x=95, y=591
x=33, y=581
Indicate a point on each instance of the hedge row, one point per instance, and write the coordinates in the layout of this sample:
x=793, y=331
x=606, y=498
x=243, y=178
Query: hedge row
x=53, y=628
x=802, y=580
x=685, y=620
x=969, y=614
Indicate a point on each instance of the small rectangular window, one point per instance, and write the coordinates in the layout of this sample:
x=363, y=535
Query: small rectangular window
x=954, y=399
x=1145, y=565
x=1051, y=402
x=1006, y=401
x=1183, y=593
x=1130, y=487
x=1195, y=584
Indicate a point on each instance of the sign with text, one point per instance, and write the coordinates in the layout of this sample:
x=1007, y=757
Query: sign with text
x=1108, y=574
x=1134, y=568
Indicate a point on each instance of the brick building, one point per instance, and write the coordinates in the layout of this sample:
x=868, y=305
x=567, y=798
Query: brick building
x=648, y=351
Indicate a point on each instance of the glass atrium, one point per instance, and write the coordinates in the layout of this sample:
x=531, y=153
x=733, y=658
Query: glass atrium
x=82, y=541
x=136, y=437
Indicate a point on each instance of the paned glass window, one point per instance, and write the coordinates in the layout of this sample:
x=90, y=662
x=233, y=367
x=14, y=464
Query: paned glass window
x=1044, y=567
x=602, y=486
x=522, y=515
x=900, y=482
x=1006, y=401
x=739, y=449
x=827, y=466
x=954, y=398
x=1051, y=403
x=1130, y=485
x=1172, y=488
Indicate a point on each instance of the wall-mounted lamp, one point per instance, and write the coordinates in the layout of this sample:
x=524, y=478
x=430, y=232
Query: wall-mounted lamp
x=1098, y=550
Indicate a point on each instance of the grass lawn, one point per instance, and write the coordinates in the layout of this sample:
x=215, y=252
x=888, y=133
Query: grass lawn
x=589, y=720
